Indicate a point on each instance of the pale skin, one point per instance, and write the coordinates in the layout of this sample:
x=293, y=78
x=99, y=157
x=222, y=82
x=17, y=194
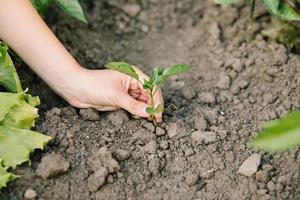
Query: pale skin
x=27, y=34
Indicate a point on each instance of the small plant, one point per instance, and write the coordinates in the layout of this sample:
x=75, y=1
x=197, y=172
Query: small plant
x=70, y=7
x=283, y=10
x=17, y=116
x=157, y=78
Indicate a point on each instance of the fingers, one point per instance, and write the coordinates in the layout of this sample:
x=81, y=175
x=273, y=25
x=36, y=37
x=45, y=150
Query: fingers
x=107, y=108
x=133, y=106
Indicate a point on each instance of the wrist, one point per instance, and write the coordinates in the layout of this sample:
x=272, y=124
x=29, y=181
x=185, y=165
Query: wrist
x=67, y=83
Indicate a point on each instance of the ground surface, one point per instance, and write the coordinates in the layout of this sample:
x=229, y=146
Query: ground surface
x=231, y=90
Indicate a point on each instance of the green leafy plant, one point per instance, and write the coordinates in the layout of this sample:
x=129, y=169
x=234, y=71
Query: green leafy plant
x=17, y=117
x=157, y=78
x=5, y=176
x=277, y=8
x=280, y=135
x=71, y=7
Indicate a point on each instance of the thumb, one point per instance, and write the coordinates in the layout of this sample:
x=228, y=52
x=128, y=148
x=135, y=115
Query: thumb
x=133, y=106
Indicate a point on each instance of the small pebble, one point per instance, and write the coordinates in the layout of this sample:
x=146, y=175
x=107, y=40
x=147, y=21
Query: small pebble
x=149, y=126
x=151, y=147
x=164, y=145
x=30, y=194
x=122, y=154
x=191, y=178
x=159, y=131
x=249, y=166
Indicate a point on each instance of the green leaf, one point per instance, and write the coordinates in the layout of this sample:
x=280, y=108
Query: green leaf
x=22, y=116
x=150, y=110
x=147, y=85
x=282, y=10
x=72, y=8
x=41, y=6
x=9, y=100
x=18, y=108
x=283, y=32
x=158, y=108
x=225, y=2
x=173, y=70
x=124, y=68
x=17, y=144
x=9, y=78
x=280, y=135
x=272, y=5
x=5, y=177
x=156, y=75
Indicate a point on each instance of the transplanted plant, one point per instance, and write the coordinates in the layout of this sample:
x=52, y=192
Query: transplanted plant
x=157, y=78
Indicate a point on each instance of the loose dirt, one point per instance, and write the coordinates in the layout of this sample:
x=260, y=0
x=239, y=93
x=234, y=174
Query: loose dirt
x=211, y=112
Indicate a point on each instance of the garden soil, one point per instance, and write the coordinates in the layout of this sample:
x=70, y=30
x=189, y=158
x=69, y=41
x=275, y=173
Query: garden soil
x=211, y=112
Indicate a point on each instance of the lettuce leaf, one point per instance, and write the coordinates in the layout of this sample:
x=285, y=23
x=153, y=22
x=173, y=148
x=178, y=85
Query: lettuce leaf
x=17, y=144
x=5, y=176
x=9, y=78
x=17, y=117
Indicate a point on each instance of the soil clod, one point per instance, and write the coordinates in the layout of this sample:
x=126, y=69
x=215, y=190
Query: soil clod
x=52, y=165
x=89, y=114
x=97, y=179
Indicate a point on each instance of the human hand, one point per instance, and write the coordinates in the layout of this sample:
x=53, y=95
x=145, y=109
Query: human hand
x=107, y=90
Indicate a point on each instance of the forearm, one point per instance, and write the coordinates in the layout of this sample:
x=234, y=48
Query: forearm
x=26, y=33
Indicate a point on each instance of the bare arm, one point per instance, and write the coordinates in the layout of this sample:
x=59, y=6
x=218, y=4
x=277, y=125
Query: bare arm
x=27, y=34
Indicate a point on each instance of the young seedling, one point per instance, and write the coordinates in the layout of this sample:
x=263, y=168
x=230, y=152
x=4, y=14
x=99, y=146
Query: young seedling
x=157, y=78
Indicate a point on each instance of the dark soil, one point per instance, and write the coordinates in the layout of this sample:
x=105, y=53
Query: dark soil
x=211, y=112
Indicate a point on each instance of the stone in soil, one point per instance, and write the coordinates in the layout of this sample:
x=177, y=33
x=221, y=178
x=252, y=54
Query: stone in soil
x=271, y=186
x=97, y=179
x=164, y=144
x=224, y=81
x=208, y=137
x=211, y=115
x=122, y=154
x=89, y=114
x=262, y=176
x=103, y=158
x=215, y=31
x=207, y=97
x=199, y=122
x=191, y=178
x=197, y=137
x=149, y=126
x=250, y=165
x=154, y=166
x=117, y=118
x=159, y=131
x=131, y=9
x=69, y=111
x=151, y=147
x=30, y=194
x=174, y=129
x=188, y=93
x=52, y=165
